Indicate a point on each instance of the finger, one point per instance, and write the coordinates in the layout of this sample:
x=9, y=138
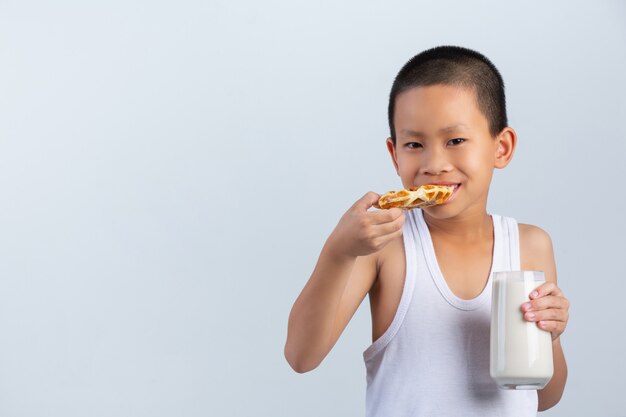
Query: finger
x=551, y=314
x=545, y=289
x=543, y=303
x=390, y=227
x=382, y=241
x=554, y=327
x=386, y=216
x=368, y=200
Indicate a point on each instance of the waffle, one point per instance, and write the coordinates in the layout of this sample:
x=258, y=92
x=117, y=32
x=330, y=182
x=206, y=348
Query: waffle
x=417, y=197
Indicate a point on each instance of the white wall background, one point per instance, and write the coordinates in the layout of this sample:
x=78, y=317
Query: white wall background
x=129, y=287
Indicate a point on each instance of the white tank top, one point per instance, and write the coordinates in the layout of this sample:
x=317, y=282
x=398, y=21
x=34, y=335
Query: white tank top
x=433, y=360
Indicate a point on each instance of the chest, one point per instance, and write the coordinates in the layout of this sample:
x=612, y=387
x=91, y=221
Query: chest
x=464, y=267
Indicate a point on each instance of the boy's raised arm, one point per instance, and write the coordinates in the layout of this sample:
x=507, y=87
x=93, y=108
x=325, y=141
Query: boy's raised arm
x=345, y=272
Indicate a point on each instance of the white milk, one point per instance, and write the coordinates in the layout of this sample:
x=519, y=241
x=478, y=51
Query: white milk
x=521, y=353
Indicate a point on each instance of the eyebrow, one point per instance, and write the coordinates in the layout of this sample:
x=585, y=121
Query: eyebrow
x=413, y=133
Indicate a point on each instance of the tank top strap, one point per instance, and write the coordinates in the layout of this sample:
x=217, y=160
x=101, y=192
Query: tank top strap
x=511, y=261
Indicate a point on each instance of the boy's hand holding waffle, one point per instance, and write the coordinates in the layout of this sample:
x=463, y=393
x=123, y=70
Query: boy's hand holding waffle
x=361, y=232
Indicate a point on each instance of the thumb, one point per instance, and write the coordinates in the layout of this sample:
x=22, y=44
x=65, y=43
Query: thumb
x=368, y=200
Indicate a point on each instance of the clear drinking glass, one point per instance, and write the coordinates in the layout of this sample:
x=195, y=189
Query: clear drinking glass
x=521, y=353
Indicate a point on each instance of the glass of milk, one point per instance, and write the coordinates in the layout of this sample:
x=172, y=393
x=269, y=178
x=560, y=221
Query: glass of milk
x=521, y=352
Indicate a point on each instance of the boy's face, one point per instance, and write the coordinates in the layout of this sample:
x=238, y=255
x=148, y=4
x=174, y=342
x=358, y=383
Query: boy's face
x=442, y=137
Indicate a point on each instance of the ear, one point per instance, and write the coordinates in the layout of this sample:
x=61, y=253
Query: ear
x=392, y=151
x=505, y=147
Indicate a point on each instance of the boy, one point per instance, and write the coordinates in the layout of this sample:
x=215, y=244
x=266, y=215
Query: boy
x=428, y=271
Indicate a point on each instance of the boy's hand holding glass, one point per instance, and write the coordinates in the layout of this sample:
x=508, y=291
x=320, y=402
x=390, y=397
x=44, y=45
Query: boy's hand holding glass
x=361, y=232
x=548, y=308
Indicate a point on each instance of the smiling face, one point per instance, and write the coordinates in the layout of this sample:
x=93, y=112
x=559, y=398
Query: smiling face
x=443, y=138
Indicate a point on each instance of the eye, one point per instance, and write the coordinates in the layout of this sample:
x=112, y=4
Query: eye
x=413, y=145
x=456, y=141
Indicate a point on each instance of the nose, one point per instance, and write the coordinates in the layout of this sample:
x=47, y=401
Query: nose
x=435, y=162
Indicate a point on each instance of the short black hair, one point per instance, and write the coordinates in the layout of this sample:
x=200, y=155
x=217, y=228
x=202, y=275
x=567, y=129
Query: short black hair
x=457, y=66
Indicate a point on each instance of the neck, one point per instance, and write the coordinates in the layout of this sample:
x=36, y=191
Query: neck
x=466, y=227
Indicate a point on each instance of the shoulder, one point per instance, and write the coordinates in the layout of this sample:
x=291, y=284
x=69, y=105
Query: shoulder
x=534, y=237
x=536, y=251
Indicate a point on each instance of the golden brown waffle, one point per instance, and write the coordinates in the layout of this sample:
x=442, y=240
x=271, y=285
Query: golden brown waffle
x=418, y=197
